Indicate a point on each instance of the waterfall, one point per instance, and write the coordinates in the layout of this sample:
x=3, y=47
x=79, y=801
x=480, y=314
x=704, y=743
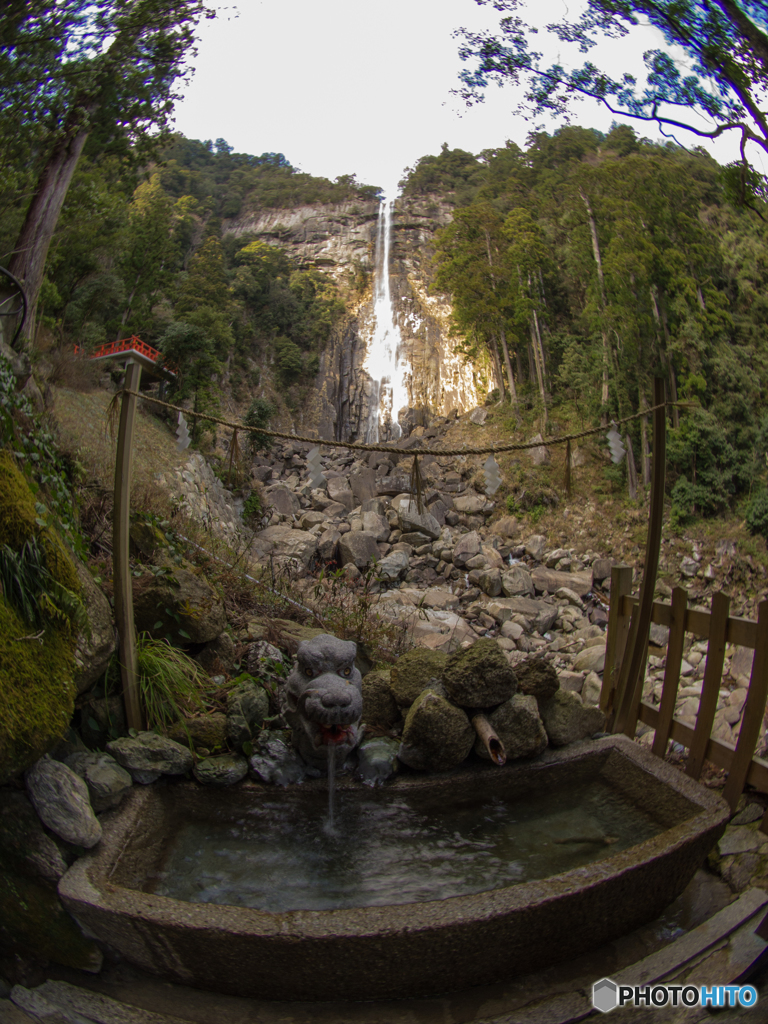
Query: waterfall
x=385, y=361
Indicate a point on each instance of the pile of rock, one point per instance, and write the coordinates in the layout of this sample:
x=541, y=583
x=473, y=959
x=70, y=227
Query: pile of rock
x=431, y=698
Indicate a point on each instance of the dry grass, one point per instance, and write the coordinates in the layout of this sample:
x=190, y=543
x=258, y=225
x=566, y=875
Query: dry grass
x=81, y=420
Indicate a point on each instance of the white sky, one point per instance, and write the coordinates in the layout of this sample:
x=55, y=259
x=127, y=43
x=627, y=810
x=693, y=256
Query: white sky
x=355, y=87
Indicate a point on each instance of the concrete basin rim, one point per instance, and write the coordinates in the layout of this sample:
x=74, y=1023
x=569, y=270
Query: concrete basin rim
x=89, y=877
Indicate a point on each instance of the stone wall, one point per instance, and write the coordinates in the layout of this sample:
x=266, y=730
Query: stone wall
x=204, y=498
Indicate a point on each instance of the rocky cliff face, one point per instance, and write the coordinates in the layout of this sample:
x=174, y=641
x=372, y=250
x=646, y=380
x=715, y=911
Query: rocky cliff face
x=340, y=240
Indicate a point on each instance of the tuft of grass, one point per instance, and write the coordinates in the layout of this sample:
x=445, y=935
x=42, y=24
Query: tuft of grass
x=170, y=682
x=31, y=589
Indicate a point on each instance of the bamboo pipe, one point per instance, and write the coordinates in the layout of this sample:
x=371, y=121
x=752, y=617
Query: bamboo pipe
x=488, y=735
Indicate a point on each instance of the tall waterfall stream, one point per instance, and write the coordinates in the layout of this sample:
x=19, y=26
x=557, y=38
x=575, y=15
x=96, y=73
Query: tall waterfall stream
x=385, y=361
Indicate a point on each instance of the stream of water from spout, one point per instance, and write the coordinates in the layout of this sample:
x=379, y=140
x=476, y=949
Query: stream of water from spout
x=331, y=787
x=385, y=361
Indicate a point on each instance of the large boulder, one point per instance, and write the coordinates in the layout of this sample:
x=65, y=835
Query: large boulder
x=282, y=500
x=222, y=770
x=61, y=800
x=380, y=709
x=360, y=548
x=413, y=522
x=284, y=542
x=147, y=756
x=541, y=615
x=519, y=727
x=591, y=659
x=208, y=732
x=393, y=566
x=535, y=546
x=362, y=483
x=96, y=647
x=537, y=678
x=247, y=707
x=516, y=581
x=437, y=735
x=183, y=607
x=24, y=840
x=375, y=524
x=480, y=676
x=550, y=580
x=218, y=655
x=469, y=503
x=107, y=782
x=414, y=672
x=567, y=720
x=467, y=547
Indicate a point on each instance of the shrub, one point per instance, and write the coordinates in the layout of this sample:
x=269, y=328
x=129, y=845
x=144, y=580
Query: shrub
x=757, y=514
x=259, y=414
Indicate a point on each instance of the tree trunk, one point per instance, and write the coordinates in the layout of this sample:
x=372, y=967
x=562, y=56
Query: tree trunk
x=539, y=376
x=497, y=366
x=541, y=371
x=604, y=395
x=29, y=256
x=660, y=316
x=645, y=462
x=508, y=366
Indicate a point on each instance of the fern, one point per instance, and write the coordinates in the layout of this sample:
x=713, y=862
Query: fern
x=30, y=588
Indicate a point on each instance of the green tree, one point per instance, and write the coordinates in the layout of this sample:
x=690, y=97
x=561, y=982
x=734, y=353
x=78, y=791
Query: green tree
x=103, y=70
x=722, y=73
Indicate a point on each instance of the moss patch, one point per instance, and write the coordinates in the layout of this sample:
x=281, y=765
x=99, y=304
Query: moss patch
x=37, y=693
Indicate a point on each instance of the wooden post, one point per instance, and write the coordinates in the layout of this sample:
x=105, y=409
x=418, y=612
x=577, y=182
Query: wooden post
x=718, y=624
x=675, y=645
x=632, y=681
x=618, y=626
x=754, y=709
x=120, y=558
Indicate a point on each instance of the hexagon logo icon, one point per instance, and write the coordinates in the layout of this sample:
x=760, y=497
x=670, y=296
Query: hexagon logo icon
x=605, y=995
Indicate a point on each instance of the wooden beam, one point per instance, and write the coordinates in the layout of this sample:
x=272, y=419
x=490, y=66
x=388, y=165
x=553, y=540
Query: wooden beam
x=675, y=645
x=626, y=719
x=710, y=689
x=718, y=751
x=739, y=631
x=754, y=709
x=618, y=628
x=120, y=557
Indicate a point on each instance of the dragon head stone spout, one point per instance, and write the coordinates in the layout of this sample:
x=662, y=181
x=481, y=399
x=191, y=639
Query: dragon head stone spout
x=322, y=699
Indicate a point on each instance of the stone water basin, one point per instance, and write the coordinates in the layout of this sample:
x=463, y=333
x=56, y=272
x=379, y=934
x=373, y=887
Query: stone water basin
x=431, y=884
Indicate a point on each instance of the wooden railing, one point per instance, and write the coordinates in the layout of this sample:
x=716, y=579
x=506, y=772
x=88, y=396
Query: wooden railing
x=132, y=344
x=718, y=628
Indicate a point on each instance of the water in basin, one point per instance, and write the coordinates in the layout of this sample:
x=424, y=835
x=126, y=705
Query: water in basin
x=392, y=848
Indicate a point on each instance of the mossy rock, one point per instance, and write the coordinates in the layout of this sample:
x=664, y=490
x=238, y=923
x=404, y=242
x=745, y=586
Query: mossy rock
x=437, y=735
x=380, y=708
x=537, y=678
x=18, y=523
x=480, y=676
x=37, y=692
x=414, y=672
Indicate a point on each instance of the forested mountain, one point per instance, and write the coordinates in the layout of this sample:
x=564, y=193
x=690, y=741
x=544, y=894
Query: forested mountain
x=587, y=264
x=582, y=266
x=145, y=254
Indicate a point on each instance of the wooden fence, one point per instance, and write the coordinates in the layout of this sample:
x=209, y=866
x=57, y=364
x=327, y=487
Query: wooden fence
x=621, y=696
